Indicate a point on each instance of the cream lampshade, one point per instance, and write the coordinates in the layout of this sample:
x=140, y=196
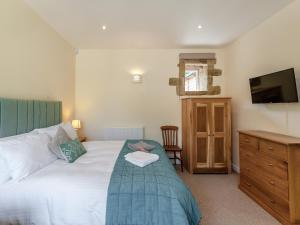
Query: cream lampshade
x=76, y=124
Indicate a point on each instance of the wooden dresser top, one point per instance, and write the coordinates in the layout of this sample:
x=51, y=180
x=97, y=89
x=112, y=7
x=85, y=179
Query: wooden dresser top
x=201, y=97
x=279, y=138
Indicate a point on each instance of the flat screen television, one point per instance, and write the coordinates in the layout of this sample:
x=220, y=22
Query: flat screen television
x=278, y=87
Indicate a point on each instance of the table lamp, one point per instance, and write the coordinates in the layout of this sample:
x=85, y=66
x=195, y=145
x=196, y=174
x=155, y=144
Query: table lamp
x=76, y=124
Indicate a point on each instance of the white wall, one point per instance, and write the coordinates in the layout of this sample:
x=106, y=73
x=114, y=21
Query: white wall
x=272, y=46
x=106, y=97
x=35, y=62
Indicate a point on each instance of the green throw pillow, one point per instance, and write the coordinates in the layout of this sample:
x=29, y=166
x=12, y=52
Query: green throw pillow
x=72, y=150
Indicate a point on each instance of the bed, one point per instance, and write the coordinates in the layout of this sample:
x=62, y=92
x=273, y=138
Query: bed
x=99, y=188
x=63, y=193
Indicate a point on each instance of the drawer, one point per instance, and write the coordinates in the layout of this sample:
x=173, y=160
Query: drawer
x=248, y=142
x=278, y=187
x=261, y=194
x=274, y=150
x=246, y=183
x=247, y=155
x=281, y=207
x=277, y=168
x=248, y=169
x=252, y=187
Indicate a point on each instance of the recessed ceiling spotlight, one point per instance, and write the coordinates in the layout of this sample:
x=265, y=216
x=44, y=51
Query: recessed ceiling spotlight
x=104, y=27
x=200, y=27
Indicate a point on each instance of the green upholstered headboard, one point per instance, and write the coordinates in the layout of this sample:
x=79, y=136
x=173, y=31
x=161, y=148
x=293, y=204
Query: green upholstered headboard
x=22, y=116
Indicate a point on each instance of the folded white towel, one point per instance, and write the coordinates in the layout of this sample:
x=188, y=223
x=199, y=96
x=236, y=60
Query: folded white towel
x=141, y=159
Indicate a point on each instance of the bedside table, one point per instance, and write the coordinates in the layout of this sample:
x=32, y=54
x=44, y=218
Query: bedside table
x=82, y=139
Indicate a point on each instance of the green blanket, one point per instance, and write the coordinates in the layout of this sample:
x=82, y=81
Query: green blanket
x=153, y=195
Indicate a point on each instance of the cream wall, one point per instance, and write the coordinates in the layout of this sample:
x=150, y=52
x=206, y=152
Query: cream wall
x=106, y=97
x=35, y=62
x=272, y=46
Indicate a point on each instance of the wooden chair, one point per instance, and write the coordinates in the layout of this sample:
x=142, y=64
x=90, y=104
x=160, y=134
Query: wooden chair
x=170, y=143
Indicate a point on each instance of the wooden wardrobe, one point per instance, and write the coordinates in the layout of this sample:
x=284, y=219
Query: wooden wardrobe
x=206, y=134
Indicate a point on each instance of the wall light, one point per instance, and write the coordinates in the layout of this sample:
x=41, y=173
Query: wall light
x=137, y=78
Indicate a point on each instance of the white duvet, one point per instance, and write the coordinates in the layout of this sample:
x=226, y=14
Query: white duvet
x=63, y=193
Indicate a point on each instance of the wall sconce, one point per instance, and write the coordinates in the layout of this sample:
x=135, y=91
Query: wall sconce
x=137, y=78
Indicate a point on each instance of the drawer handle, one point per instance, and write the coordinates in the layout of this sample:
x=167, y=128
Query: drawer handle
x=272, y=182
x=246, y=140
x=270, y=148
x=270, y=164
x=248, y=184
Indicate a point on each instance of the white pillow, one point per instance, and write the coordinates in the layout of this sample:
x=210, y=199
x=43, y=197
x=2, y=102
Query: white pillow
x=72, y=133
x=26, y=155
x=4, y=172
x=13, y=137
x=51, y=131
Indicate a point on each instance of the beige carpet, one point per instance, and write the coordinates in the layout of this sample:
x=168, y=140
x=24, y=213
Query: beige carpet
x=222, y=203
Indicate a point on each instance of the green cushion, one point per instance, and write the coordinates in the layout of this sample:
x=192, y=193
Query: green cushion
x=72, y=150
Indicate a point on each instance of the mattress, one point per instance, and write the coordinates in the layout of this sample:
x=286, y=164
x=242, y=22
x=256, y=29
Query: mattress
x=63, y=193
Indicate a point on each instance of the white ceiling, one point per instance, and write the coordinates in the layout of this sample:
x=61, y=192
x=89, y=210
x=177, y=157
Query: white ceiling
x=154, y=23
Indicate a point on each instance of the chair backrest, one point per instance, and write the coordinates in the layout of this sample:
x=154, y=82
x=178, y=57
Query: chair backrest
x=170, y=135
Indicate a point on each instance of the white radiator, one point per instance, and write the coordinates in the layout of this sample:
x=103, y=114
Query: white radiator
x=123, y=133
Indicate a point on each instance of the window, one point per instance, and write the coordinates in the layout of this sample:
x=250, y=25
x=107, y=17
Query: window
x=196, y=77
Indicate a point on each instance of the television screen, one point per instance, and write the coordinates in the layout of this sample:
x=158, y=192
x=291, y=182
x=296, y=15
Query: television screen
x=276, y=87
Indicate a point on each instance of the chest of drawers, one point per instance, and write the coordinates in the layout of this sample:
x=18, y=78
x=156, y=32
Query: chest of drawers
x=270, y=173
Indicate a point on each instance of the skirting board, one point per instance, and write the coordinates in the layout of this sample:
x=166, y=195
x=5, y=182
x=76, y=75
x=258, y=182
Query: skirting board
x=235, y=168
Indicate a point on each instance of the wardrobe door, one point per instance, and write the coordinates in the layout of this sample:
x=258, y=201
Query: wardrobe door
x=219, y=131
x=202, y=145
